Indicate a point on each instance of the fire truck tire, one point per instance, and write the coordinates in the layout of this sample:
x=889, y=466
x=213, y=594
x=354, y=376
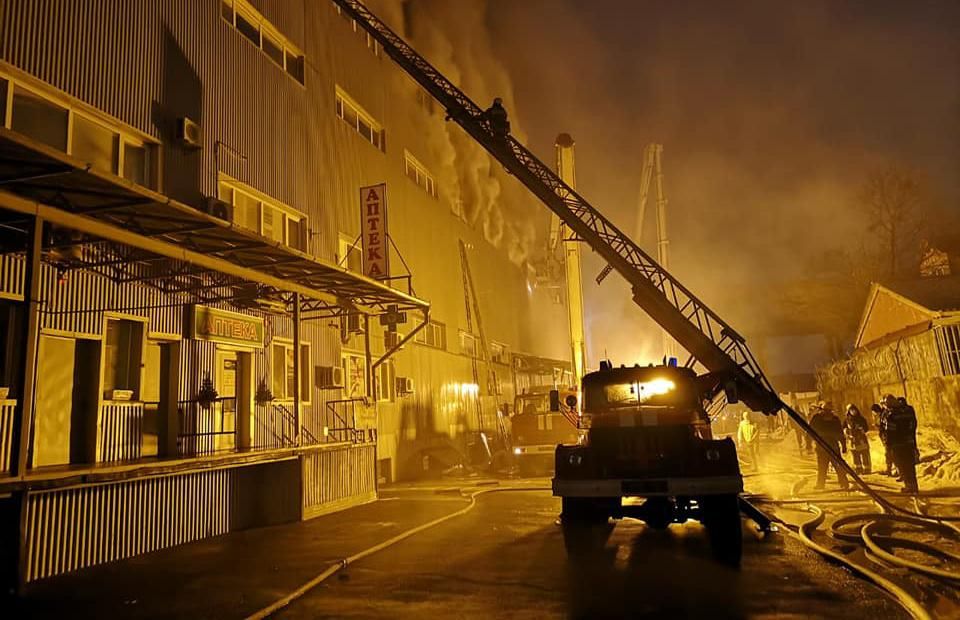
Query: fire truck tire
x=721, y=517
x=584, y=511
x=658, y=514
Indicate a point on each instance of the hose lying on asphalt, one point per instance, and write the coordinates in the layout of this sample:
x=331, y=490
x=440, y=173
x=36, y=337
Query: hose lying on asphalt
x=876, y=542
x=334, y=568
x=907, y=601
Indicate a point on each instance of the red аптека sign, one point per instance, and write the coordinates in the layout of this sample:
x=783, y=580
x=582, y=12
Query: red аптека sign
x=373, y=228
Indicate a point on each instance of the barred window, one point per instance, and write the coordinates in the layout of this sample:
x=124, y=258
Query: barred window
x=417, y=173
x=948, y=346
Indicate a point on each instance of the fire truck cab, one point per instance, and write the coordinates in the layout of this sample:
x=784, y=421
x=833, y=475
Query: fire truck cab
x=648, y=436
x=538, y=428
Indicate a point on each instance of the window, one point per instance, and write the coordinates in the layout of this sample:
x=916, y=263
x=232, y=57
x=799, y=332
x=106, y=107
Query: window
x=135, y=163
x=283, y=375
x=37, y=118
x=498, y=353
x=122, y=355
x=386, y=378
x=948, y=346
x=417, y=173
x=352, y=114
x=350, y=255
x=468, y=344
x=94, y=140
x=355, y=373
x=254, y=211
x=255, y=28
x=95, y=144
x=434, y=334
x=424, y=99
x=372, y=44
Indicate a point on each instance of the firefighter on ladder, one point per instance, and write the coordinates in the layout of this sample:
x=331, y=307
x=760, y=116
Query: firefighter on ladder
x=496, y=119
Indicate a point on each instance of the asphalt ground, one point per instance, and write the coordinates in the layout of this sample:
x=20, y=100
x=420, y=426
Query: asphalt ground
x=505, y=558
x=508, y=558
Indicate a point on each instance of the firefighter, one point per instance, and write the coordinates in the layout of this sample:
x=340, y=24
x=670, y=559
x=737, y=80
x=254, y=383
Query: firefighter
x=496, y=119
x=902, y=439
x=855, y=428
x=803, y=439
x=882, y=412
x=826, y=424
x=748, y=439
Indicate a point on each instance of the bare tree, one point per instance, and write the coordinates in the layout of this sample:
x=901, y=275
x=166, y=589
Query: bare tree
x=893, y=200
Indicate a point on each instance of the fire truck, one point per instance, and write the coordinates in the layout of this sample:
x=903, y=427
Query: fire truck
x=648, y=436
x=538, y=428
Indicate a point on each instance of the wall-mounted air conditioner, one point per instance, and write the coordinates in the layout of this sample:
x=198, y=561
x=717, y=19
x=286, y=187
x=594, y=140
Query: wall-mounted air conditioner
x=189, y=133
x=404, y=386
x=329, y=377
x=391, y=339
x=352, y=324
x=218, y=208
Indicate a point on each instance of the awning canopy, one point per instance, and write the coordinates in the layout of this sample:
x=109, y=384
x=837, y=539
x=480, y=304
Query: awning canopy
x=133, y=234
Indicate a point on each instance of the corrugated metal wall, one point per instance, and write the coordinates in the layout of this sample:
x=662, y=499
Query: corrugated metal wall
x=73, y=528
x=331, y=477
x=119, y=432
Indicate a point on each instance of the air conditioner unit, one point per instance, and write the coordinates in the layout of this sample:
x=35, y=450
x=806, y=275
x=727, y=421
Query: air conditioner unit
x=218, y=208
x=352, y=323
x=404, y=386
x=392, y=339
x=189, y=133
x=328, y=377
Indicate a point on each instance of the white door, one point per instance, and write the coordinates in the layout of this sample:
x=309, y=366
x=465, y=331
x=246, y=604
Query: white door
x=226, y=410
x=51, y=438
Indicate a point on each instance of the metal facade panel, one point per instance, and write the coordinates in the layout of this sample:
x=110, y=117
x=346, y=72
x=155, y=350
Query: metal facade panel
x=338, y=475
x=73, y=528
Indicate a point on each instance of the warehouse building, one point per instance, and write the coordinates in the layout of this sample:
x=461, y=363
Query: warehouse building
x=198, y=331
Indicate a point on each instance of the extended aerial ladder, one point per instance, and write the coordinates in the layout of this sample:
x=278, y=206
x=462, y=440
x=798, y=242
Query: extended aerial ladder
x=708, y=339
x=472, y=301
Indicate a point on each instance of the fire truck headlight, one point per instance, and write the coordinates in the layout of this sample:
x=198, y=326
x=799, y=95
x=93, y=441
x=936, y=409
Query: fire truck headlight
x=518, y=450
x=575, y=460
x=713, y=454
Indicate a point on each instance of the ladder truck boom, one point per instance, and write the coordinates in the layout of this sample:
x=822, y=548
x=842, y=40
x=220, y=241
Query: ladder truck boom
x=708, y=338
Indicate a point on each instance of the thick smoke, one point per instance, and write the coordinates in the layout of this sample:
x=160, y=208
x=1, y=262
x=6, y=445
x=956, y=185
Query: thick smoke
x=454, y=37
x=771, y=116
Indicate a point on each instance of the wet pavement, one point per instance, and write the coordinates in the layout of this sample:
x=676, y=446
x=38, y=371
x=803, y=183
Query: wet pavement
x=507, y=557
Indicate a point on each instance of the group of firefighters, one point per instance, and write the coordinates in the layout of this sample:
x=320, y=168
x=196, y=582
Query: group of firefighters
x=895, y=420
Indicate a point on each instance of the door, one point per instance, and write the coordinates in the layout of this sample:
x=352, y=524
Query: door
x=55, y=371
x=225, y=411
x=150, y=395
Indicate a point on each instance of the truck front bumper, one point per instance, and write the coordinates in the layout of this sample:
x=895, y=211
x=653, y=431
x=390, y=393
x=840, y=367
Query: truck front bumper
x=647, y=487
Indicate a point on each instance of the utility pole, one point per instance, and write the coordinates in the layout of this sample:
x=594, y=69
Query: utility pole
x=560, y=234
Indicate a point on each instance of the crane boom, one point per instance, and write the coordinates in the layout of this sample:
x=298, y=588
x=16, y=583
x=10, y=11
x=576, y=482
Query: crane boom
x=708, y=338
x=567, y=169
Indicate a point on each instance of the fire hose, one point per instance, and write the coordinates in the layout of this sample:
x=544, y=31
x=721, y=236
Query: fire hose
x=877, y=544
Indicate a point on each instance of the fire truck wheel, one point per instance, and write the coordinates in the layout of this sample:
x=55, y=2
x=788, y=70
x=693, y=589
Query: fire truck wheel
x=721, y=517
x=657, y=513
x=584, y=511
